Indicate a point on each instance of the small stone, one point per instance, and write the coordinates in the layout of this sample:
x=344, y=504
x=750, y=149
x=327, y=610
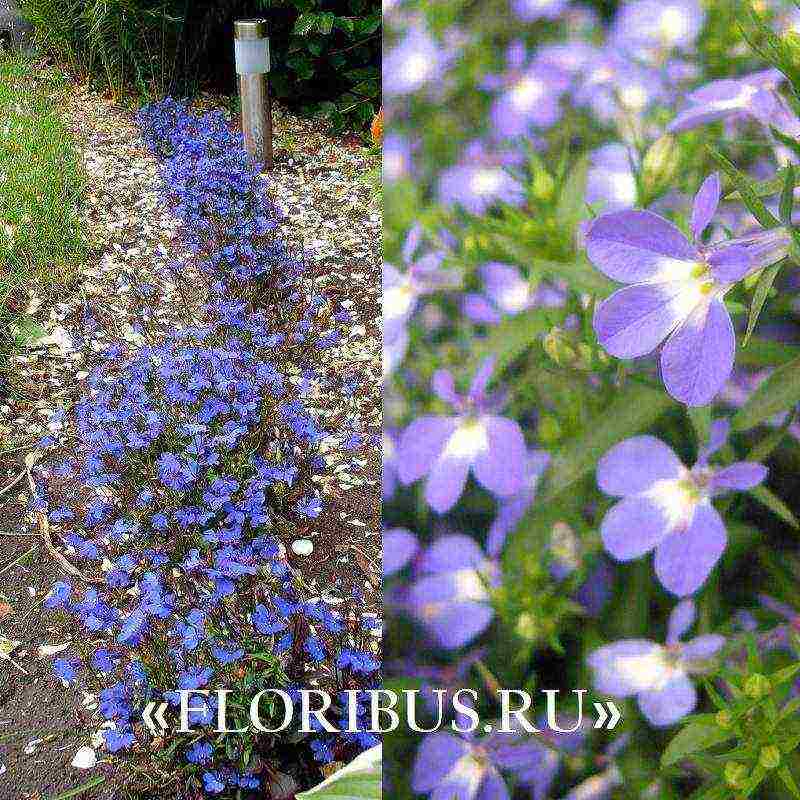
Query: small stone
x=302, y=547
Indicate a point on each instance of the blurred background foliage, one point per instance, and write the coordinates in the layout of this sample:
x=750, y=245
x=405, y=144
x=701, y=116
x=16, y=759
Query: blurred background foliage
x=325, y=53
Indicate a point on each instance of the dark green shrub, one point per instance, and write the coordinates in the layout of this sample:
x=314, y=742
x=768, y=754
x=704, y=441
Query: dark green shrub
x=325, y=53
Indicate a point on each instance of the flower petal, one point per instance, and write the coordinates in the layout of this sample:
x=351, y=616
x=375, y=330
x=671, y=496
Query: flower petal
x=634, y=526
x=636, y=319
x=635, y=464
x=685, y=559
x=452, y=552
x=702, y=648
x=421, y=443
x=609, y=662
x=698, y=358
x=493, y=787
x=480, y=382
x=399, y=547
x=717, y=437
x=741, y=476
x=635, y=246
x=478, y=309
x=436, y=757
x=443, y=385
x=705, y=204
x=446, y=481
x=677, y=699
x=501, y=467
x=730, y=263
x=680, y=620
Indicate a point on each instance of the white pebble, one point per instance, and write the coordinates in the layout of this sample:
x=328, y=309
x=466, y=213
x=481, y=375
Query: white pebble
x=302, y=547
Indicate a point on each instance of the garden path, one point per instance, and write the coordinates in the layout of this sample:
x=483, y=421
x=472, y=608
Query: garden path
x=320, y=183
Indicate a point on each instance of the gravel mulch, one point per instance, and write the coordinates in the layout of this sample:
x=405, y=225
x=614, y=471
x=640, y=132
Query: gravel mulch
x=320, y=182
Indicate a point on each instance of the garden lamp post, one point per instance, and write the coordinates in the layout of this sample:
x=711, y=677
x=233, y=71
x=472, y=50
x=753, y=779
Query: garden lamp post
x=252, y=66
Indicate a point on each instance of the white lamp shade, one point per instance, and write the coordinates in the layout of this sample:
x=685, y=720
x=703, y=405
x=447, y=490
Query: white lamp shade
x=252, y=56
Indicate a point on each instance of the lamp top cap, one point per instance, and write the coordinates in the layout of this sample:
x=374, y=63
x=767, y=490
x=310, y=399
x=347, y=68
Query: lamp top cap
x=255, y=28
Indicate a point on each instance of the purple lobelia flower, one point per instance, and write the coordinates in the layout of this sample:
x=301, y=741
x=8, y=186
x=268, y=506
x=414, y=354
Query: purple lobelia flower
x=445, y=448
x=402, y=289
x=511, y=511
x=657, y=675
x=480, y=180
x=618, y=89
x=506, y=293
x=728, y=98
x=412, y=63
x=528, y=93
x=667, y=507
x=677, y=292
x=610, y=181
x=465, y=768
x=531, y=10
x=650, y=27
x=399, y=548
x=397, y=158
x=451, y=596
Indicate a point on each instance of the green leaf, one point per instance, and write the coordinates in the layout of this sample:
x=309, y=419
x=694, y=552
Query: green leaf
x=571, y=204
x=787, y=197
x=784, y=675
x=763, y=287
x=304, y=24
x=779, y=392
x=81, y=789
x=775, y=505
x=766, y=188
x=767, y=446
x=718, y=791
x=695, y=737
x=744, y=185
x=764, y=353
x=635, y=408
x=359, y=780
x=788, y=780
x=325, y=22
x=700, y=417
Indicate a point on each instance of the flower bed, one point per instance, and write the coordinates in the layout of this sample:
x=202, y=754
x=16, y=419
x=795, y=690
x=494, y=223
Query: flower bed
x=190, y=459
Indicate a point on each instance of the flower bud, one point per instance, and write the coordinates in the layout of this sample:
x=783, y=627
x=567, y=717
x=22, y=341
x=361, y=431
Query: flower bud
x=660, y=164
x=557, y=347
x=543, y=185
x=735, y=774
x=724, y=719
x=769, y=757
x=549, y=429
x=757, y=686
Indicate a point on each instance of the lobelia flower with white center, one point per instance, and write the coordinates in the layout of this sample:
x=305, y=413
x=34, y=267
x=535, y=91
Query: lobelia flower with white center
x=481, y=179
x=476, y=438
x=415, y=61
x=402, y=289
x=657, y=675
x=651, y=28
x=528, y=93
x=728, y=98
x=610, y=179
x=505, y=293
x=451, y=596
x=471, y=768
x=668, y=508
x=677, y=291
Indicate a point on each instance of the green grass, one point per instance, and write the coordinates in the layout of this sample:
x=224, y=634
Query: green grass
x=41, y=186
